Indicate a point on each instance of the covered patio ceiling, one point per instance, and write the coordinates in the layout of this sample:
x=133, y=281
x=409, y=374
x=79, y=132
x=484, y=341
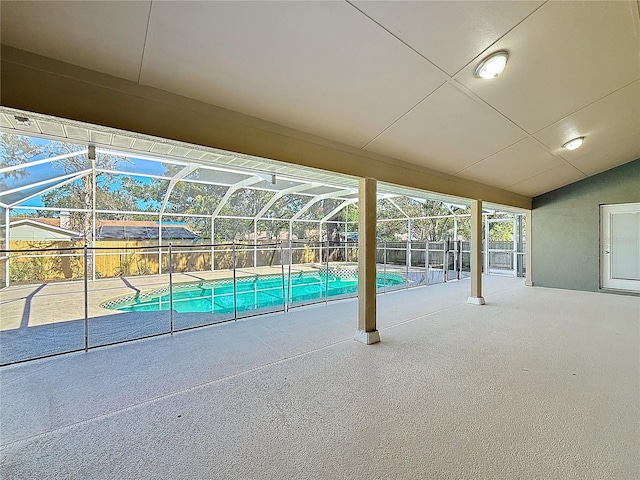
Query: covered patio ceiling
x=393, y=81
x=230, y=171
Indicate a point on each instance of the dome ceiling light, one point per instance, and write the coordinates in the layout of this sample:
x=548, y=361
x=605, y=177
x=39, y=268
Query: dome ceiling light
x=493, y=65
x=573, y=144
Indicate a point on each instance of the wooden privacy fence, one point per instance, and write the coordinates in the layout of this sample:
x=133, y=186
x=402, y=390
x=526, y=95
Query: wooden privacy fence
x=35, y=265
x=117, y=258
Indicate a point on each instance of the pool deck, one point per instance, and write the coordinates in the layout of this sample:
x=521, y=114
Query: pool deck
x=537, y=383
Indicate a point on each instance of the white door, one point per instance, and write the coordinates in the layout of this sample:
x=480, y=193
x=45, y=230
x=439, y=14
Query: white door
x=620, y=246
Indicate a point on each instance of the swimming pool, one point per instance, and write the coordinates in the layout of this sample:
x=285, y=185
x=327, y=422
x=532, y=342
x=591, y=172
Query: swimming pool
x=253, y=293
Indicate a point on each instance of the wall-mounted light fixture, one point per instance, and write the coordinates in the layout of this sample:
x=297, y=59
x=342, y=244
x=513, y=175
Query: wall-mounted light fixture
x=24, y=121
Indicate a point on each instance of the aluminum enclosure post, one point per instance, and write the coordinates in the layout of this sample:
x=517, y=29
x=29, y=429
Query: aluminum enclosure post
x=92, y=157
x=233, y=259
x=284, y=292
x=326, y=278
x=384, y=265
x=527, y=249
x=407, y=261
x=426, y=259
x=289, y=286
x=86, y=298
x=171, y=288
x=255, y=244
x=7, y=240
x=160, y=245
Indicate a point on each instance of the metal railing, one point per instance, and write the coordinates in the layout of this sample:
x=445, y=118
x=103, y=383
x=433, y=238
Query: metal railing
x=97, y=296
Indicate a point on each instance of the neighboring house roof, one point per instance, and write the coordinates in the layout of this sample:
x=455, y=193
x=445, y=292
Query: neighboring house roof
x=115, y=229
x=55, y=230
x=115, y=232
x=47, y=221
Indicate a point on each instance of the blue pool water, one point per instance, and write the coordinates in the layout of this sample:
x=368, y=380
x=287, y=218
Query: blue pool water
x=251, y=293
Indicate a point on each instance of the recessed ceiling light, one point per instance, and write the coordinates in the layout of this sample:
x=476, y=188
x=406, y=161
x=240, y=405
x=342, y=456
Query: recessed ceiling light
x=493, y=65
x=573, y=144
x=22, y=120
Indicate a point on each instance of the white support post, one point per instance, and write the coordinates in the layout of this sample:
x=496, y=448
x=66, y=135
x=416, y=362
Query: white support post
x=367, y=331
x=476, y=297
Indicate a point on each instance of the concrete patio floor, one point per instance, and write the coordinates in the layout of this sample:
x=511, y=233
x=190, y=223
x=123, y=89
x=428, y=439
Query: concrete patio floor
x=538, y=383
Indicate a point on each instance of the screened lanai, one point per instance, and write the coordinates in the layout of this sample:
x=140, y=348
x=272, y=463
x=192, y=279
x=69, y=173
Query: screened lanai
x=149, y=236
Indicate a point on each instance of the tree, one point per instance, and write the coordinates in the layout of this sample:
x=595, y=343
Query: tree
x=501, y=232
x=16, y=150
x=185, y=197
x=78, y=194
x=422, y=229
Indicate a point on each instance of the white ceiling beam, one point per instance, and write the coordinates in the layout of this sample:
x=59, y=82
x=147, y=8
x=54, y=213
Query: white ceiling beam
x=59, y=209
x=449, y=207
x=232, y=189
x=44, y=182
x=337, y=209
x=319, y=198
x=42, y=161
x=282, y=193
x=53, y=187
x=136, y=174
x=399, y=209
x=172, y=183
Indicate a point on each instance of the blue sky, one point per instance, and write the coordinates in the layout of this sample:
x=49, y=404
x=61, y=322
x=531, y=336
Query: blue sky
x=46, y=171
